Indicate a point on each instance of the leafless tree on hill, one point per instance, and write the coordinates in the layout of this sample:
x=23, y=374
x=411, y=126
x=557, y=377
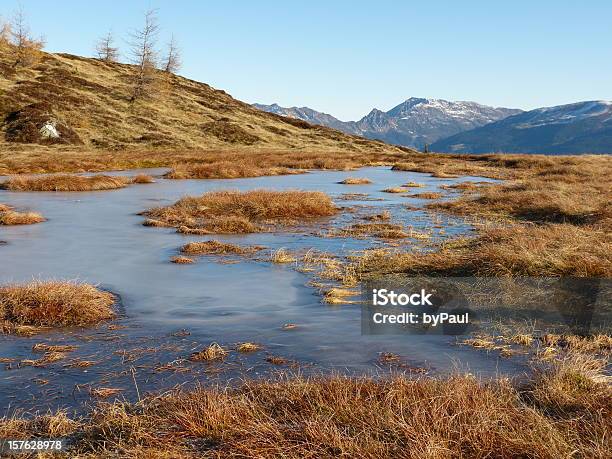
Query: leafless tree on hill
x=26, y=48
x=106, y=50
x=144, y=55
x=172, y=62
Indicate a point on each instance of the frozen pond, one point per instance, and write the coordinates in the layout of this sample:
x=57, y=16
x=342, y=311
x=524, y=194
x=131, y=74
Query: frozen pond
x=98, y=237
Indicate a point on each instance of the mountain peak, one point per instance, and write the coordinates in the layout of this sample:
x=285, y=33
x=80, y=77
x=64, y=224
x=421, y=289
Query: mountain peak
x=414, y=122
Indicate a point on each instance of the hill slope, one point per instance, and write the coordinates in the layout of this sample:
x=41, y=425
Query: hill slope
x=583, y=127
x=86, y=103
x=413, y=123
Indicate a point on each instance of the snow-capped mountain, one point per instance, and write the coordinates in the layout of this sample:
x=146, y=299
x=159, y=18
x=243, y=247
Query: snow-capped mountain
x=311, y=116
x=582, y=127
x=413, y=123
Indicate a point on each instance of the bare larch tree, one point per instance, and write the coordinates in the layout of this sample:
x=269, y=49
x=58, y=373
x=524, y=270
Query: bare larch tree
x=144, y=55
x=172, y=61
x=25, y=47
x=106, y=50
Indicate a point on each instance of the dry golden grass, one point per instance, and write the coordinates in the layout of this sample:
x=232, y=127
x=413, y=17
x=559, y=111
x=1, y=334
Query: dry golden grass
x=92, y=99
x=426, y=195
x=563, y=410
x=182, y=260
x=226, y=170
x=212, y=352
x=54, y=304
x=413, y=185
x=523, y=250
x=337, y=295
x=11, y=217
x=249, y=347
x=44, y=347
x=383, y=216
x=212, y=247
x=395, y=190
x=242, y=212
x=64, y=182
x=355, y=181
x=378, y=230
x=142, y=179
x=281, y=256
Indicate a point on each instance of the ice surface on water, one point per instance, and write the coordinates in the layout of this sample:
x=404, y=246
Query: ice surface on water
x=98, y=237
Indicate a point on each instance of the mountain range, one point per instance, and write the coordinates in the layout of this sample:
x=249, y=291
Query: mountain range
x=414, y=123
x=583, y=127
x=468, y=127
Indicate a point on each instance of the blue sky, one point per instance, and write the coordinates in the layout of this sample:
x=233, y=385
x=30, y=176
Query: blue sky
x=346, y=57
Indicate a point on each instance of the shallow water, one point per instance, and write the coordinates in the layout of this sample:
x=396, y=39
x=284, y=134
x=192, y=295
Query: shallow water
x=98, y=237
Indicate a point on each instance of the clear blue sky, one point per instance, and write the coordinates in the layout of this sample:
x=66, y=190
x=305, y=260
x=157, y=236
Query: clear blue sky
x=346, y=57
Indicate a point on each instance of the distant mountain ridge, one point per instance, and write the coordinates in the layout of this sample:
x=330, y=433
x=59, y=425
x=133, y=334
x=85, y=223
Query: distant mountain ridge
x=413, y=123
x=582, y=127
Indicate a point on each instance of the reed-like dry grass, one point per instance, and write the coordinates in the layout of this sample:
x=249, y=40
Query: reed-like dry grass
x=355, y=181
x=53, y=304
x=227, y=170
x=242, y=212
x=426, y=195
x=212, y=247
x=563, y=410
x=180, y=260
x=64, y=182
x=377, y=229
x=142, y=179
x=11, y=217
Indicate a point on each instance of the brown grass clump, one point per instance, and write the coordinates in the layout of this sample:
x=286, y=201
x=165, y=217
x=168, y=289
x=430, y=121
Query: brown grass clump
x=44, y=347
x=64, y=182
x=10, y=217
x=142, y=179
x=179, y=260
x=54, y=304
x=337, y=295
x=212, y=247
x=426, y=195
x=248, y=347
x=243, y=212
x=378, y=230
x=385, y=215
x=355, y=181
x=413, y=185
x=105, y=392
x=226, y=170
x=212, y=352
x=564, y=410
x=517, y=250
x=395, y=190
x=281, y=256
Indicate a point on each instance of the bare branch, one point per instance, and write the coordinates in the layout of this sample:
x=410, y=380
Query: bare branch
x=25, y=47
x=172, y=61
x=143, y=54
x=106, y=50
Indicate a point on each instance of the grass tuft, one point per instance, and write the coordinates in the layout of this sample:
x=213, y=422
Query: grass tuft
x=64, y=182
x=212, y=352
x=53, y=304
x=355, y=181
x=212, y=247
x=242, y=212
x=11, y=217
x=142, y=179
x=562, y=410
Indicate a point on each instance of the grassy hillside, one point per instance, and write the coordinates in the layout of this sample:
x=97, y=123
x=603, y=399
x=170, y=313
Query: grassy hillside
x=90, y=102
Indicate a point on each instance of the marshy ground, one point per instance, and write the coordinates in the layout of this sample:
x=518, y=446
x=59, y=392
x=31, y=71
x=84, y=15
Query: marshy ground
x=332, y=241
